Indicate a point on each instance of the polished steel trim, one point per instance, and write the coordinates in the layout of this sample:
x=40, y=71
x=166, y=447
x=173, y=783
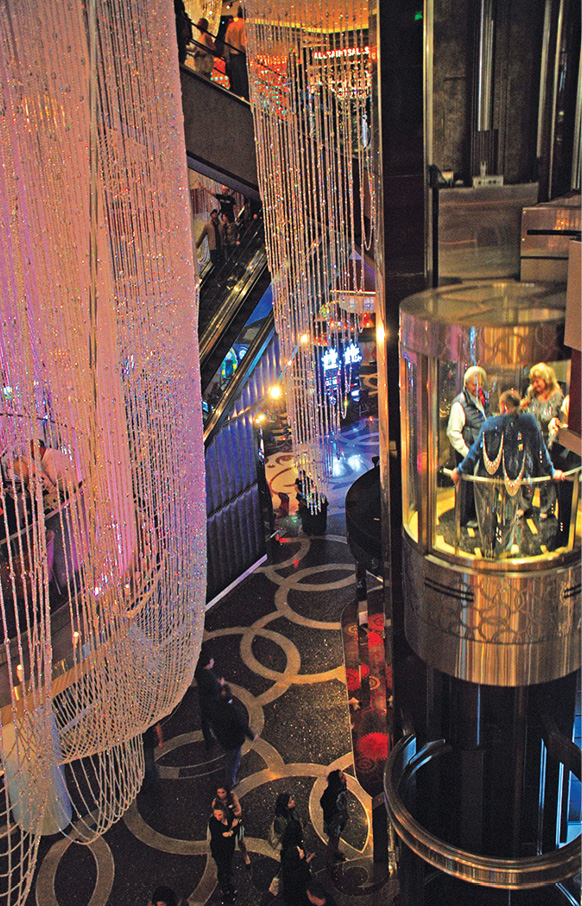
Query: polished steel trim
x=243, y=371
x=485, y=66
x=428, y=139
x=544, y=77
x=496, y=323
x=555, y=83
x=576, y=162
x=497, y=628
x=508, y=874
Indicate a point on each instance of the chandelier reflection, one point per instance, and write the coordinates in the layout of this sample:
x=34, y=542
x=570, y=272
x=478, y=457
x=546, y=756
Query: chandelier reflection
x=102, y=530
x=310, y=83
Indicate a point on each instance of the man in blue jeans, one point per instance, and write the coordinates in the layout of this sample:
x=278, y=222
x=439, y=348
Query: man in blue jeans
x=230, y=728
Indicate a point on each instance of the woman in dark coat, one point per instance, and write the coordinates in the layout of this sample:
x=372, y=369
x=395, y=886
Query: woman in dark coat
x=222, y=842
x=286, y=817
x=335, y=814
x=295, y=871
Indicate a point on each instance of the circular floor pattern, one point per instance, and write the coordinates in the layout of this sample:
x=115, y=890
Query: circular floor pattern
x=280, y=604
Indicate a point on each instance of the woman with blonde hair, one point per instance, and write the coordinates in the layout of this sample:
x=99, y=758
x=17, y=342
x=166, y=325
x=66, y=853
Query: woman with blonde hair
x=544, y=400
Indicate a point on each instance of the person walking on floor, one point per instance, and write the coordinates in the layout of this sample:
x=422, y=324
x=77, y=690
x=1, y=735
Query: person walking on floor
x=230, y=803
x=222, y=843
x=152, y=738
x=209, y=686
x=230, y=728
x=295, y=870
x=335, y=815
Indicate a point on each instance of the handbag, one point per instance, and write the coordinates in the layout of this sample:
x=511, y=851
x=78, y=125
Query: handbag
x=275, y=885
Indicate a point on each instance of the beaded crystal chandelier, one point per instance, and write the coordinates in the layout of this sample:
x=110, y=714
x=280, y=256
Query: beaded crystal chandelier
x=310, y=83
x=102, y=547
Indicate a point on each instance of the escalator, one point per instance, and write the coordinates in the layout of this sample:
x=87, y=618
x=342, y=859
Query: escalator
x=237, y=341
x=228, y=296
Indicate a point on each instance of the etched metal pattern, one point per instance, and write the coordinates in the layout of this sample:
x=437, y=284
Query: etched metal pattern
x=495, y=324
x=502, y=629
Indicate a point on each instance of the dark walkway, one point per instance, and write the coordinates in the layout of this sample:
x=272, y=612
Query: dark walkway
x=277, y=640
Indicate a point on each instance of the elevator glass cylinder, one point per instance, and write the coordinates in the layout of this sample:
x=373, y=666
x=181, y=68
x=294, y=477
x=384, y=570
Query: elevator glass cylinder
x=492, y=566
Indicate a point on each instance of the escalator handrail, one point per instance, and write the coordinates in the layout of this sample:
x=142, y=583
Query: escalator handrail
x=227, y=310
x=243, y=371
x=508, y=874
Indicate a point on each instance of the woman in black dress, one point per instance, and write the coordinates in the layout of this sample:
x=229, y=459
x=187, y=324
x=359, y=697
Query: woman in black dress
x=222, y=842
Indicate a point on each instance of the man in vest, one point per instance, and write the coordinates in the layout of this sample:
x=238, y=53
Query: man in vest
x=468, y=412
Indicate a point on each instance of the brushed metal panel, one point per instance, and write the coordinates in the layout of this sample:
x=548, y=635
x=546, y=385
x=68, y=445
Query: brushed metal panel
x=498, y=628
x=480, y=230
x=547, y=230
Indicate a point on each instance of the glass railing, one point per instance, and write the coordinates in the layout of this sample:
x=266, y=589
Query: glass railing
x=498, y=519
x=228, y=283
x=231, y=365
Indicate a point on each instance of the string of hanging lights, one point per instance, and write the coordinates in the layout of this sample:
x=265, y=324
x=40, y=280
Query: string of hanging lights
x=310, y=87
x=102, y=530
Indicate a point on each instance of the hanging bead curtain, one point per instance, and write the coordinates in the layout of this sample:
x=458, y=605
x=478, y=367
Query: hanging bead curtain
x=310, y=92
x=102, y=536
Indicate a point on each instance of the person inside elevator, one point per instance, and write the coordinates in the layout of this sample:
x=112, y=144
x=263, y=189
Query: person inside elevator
x=469, y=410
x=509, y=449
x=544, y=399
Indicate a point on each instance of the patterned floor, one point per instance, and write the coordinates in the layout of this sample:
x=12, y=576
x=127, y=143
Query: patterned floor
x=277, y=640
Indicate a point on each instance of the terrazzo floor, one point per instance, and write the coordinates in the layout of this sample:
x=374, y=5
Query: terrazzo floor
x=277, y=640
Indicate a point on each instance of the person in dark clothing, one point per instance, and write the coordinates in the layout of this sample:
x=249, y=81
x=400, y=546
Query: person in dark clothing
x=222, y=842
x=335, y=814
x=227, y=203
x=230, y=804
x=164, y=896
x=152, y=738
x=235, y=53
x=230, y=728
x=184, y=32
x=295, y=870
x=511, y=449
x=468, y=412
x=230, y=233
x=287, y=823
x=208, y=694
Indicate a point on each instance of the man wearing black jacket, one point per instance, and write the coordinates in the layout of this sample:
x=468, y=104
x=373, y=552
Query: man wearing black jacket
x=230, y=728
x=208, y=694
